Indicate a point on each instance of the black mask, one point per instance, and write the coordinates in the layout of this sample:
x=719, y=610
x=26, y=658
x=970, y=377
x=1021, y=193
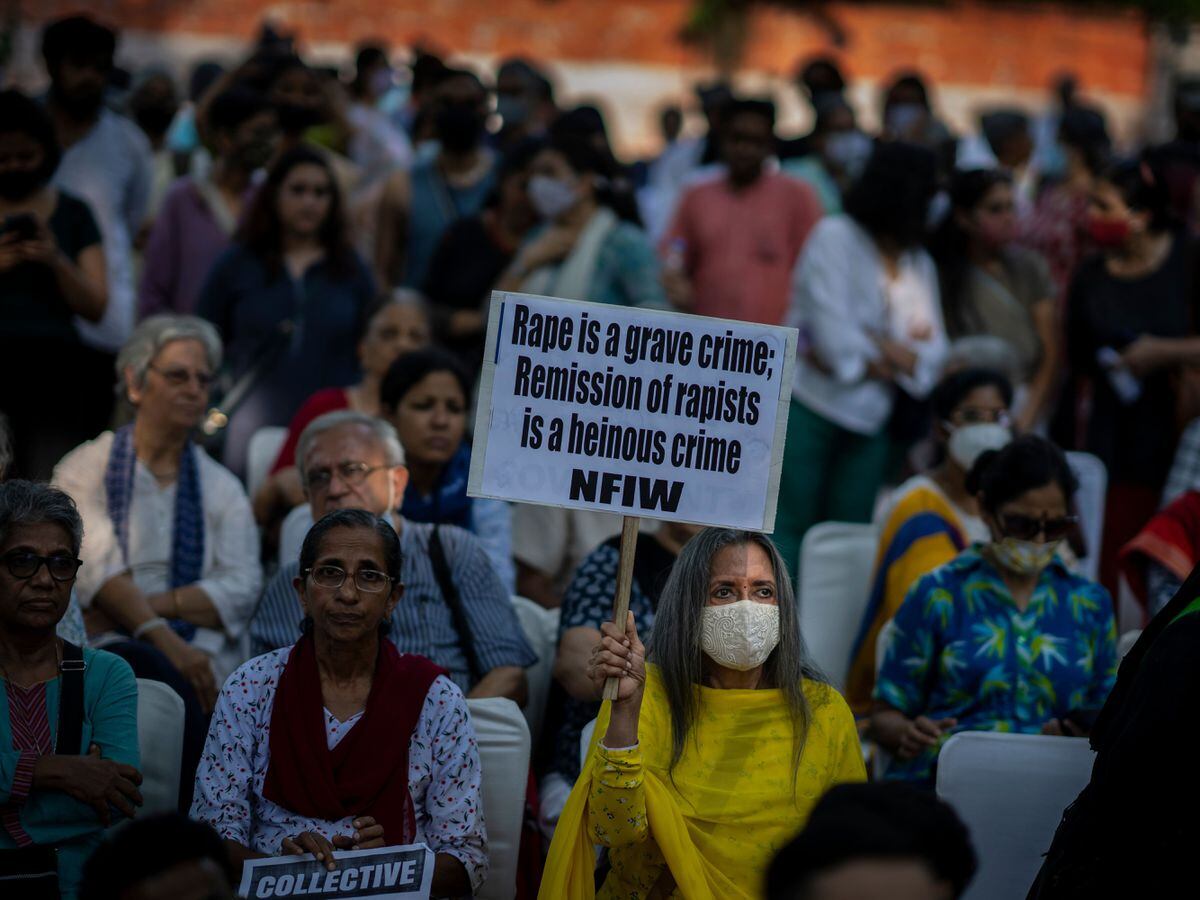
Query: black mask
x=295, y=118
x=17, y=184
x=155, y=120
x=459, y=127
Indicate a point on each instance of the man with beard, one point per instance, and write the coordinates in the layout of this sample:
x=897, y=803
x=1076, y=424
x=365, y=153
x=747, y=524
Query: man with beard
x=51, y=271
x=418, y=207
x=201, y=212
x=106, y=161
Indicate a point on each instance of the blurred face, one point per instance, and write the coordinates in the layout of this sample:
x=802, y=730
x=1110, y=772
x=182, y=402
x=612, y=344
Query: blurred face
x=879, y=879
x=305, y=199
x=982, y=406
x=348, y=614
x=78, y=84
x=1112, y=224
x=253, y=142
x=37, y=602
x=993, y=221
x=432, y=419
x=1037, y=515
x=554, y=187
x=174, y=394
x=518, y=211
x=346, y=468
x=154, y=105
x=749, y=141
x=741, y=572
x=672, y=124
x=460, y=110
x=21, y=158
x=298, y=99
x=397, y=328
x=196, y=879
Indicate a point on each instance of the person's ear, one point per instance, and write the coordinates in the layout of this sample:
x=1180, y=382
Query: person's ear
x=393, y=599
x=132, y=389
x=298, y=585
x=399, y=482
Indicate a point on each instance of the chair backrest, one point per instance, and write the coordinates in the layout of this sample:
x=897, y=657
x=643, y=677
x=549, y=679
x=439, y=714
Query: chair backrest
x=261, y=453
x=1010, y=790
x=585, y=741
x=503, y=740
x=293, y=531
x=1093, y=488
x=836, y=562
x=541, y=630
x=160, y=742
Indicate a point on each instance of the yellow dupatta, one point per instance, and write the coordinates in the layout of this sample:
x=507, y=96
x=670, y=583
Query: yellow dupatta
x=717, y=820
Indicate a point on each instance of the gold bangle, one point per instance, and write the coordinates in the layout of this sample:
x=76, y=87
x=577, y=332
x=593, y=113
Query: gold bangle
x=178, y=606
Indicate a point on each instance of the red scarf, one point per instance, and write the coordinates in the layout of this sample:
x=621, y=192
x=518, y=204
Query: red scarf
x=1171, y=539
x=366, y=774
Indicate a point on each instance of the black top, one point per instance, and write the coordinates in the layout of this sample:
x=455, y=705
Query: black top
x=1136, y=442
x=31, y=305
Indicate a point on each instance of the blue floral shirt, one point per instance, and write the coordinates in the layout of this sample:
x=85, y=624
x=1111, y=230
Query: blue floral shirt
x=962, y=649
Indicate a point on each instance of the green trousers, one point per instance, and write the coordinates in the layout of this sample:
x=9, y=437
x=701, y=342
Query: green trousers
x=829, y=474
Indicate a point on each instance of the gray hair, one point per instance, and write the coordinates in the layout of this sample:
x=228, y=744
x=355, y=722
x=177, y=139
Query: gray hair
x=675, y=645
x=393, y=453
x=31, y=503
x=154, y=333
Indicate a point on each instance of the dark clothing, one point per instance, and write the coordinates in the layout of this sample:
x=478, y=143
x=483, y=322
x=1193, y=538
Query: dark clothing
x=466, y=264
x=56, y=391
x=1136, y=441
x=252, y=306
x=1133, y=830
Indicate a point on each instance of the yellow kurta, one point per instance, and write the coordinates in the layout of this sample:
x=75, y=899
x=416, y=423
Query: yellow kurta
x=709, y=828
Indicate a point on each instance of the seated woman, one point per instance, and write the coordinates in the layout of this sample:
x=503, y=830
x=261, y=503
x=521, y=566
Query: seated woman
x=587, y=604
x=1158, y=561
x=341, y=742
x=932, y=516
x=171, y=547
x=68, y=727
x=593, y=247
x=399, y=325
x=1003, y=637
x=426, y=395
x=711, y=758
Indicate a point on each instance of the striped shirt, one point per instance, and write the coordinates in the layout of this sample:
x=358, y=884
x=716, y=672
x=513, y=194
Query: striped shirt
x=422, y=622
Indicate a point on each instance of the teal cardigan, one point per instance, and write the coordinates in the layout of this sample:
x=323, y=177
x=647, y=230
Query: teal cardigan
x=109, y=721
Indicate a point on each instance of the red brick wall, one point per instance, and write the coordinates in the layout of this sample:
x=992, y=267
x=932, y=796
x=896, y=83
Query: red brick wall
x=964, y=43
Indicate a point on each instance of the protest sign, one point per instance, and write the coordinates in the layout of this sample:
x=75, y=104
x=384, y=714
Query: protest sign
x=389, y=873
x=640, y=412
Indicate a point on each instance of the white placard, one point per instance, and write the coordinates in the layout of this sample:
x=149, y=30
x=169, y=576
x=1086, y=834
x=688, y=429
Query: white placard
x=389, y=873
x=640, y=412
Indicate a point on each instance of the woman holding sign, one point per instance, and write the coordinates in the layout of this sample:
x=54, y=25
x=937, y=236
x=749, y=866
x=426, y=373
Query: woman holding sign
x=341, y=742
x=714, y=752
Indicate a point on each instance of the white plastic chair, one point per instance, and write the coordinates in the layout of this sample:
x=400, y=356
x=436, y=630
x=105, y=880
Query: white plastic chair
x=541, y=630
x=1093, y=490
x=585, y=741
x=261, y=453
x=1010, y=790
x=836, y=562
x=293, y=531
x=503, y=739
x=160, y=742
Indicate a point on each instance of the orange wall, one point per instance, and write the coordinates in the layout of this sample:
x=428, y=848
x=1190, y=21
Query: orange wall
x=964, y=42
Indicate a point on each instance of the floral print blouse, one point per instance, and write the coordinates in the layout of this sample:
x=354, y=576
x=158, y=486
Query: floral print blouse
x=443, y=770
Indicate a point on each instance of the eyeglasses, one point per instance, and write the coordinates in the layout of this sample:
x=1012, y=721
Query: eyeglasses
x=369, y=581
x=23, y=564
x=351, y=473
x=181, y=377
x=1026, y=528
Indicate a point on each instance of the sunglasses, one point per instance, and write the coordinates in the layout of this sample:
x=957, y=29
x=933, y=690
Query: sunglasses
x=23, y=564
x=1026, y=528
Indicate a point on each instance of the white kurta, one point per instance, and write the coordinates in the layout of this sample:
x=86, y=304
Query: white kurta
x=231, y=575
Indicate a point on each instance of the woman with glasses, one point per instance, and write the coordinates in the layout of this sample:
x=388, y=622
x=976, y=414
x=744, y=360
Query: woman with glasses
x=171, y=547
x=932, y=516
x=1003, y=637
x=341, y=742
x=68, y=722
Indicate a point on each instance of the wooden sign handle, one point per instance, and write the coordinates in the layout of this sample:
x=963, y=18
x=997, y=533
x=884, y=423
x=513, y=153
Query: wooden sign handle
x=629, y=534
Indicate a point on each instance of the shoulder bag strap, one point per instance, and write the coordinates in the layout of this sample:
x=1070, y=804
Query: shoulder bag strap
x=441, y=571
x=70, y=701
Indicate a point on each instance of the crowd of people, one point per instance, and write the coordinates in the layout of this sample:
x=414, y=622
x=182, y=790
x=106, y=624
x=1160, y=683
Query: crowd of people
x=283, y=246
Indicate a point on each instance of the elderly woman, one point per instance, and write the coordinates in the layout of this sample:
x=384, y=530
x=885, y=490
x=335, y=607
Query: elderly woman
x=1003, y=637
x=68, y=724
x=171, y=546
x=342, y=742
x=712, y=756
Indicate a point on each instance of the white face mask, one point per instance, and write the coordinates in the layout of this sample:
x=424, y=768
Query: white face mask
x=969, y=442
x=740, y=635
x=551, y=197
x=1024, y=557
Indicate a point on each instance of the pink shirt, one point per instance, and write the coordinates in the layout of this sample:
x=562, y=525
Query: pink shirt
x=740, y=246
